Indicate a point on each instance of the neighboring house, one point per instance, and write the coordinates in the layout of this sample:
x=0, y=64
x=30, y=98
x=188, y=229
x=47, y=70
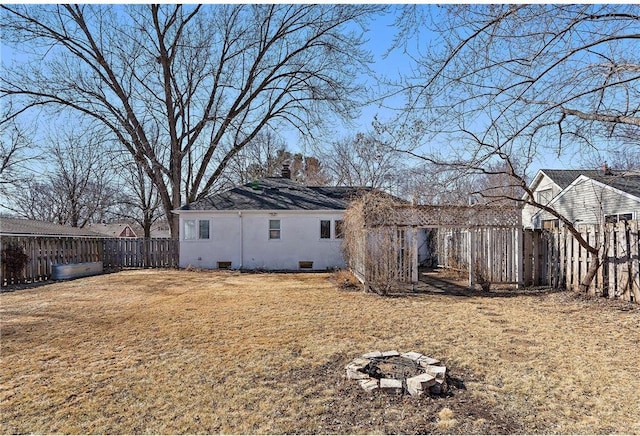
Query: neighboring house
x=25, y=227
x=114, y=230
x=159, y=229
x=271, y=224
x=584, y=197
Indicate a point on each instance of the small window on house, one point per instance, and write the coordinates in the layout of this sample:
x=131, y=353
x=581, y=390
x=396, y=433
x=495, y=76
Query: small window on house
x=189, y=230
x=550, y=224
x=325, y=229
x=618, y=217
x=339, y=232
x=203, y=229
x=274, y=229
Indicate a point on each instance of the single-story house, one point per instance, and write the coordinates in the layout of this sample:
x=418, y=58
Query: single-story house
x=584, y=197
x=273, y=224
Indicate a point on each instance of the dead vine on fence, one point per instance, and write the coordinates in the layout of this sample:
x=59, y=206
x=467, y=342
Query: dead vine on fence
x=377, y=252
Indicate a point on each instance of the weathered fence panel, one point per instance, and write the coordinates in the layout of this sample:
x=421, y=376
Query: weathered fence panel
x=115, y=253
x=140, y=253
x=555, y=258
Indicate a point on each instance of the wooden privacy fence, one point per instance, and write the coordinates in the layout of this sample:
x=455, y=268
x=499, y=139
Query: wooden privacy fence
x=554, y=258
x=115, y=253
x=140, y=253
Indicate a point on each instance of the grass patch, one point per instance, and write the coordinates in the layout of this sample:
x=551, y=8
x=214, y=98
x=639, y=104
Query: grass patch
x=224, y=352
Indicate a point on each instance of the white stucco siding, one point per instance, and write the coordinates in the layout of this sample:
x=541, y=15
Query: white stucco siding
x=243, y=239
x=587, y=202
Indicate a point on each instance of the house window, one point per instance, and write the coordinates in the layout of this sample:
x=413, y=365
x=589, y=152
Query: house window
x=274, y=229
x=325, y=229
x=614, y=218
x=190, y=232
x=203, y=229
x=339, y=232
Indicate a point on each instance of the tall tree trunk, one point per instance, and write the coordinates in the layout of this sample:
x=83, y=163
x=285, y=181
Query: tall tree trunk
x=590, y=275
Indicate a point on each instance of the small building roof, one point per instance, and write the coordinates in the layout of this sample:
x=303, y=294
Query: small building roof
x=20, y=226
x=279, y=193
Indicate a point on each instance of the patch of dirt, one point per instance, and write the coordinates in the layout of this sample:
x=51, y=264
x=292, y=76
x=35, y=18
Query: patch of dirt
x=353, y=410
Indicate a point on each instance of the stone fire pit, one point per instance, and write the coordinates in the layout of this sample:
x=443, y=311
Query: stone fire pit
x=391, y=371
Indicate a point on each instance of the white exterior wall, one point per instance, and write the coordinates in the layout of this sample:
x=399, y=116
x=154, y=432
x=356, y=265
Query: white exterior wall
x=587, y=202
x=528, y=211
x=242, y=238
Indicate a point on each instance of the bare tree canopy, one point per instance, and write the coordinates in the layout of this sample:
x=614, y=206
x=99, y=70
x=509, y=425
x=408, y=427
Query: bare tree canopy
x=15, y=153
x=363, y=159
x=77, y=187
x=518, y=78
x=185, y=88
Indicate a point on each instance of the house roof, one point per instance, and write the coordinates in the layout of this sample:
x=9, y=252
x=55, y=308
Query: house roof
x=564, y=178
x=625, y=182
x=113, y=229
x=278, y=193
x=21, y=226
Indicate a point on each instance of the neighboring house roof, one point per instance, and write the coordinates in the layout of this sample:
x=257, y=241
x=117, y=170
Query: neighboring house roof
x=21, y=226
x=279, y=193
x=114, y=230
x=564, y=178
x=625, y=182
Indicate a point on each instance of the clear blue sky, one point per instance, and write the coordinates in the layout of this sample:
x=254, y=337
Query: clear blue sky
x=380, y=37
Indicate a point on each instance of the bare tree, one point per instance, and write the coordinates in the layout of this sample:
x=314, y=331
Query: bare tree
x=364, y=159
x=16, y=151
x=500, y=84
x=184, y=88
x=137, y=200
x=310, y=170
x=262, y=157
x=77, y=187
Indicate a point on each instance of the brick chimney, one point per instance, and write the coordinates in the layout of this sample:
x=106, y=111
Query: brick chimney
x=286, y=172
x=606, y=170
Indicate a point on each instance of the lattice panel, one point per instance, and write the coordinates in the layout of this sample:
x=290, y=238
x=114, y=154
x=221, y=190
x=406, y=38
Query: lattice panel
x=448, y=216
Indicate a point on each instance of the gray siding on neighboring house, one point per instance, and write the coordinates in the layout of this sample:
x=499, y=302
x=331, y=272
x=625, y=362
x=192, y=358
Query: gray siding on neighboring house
x=588, y=201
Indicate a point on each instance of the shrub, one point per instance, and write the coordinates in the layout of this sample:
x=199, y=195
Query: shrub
x=14, y=259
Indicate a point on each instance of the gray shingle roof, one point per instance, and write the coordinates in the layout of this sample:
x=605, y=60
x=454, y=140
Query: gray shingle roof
x=277, y=193
x=20, y=226
x=564, y=178
x=629, y=183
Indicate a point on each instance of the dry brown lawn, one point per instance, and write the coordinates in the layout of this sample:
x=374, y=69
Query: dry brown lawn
x=204, y=352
